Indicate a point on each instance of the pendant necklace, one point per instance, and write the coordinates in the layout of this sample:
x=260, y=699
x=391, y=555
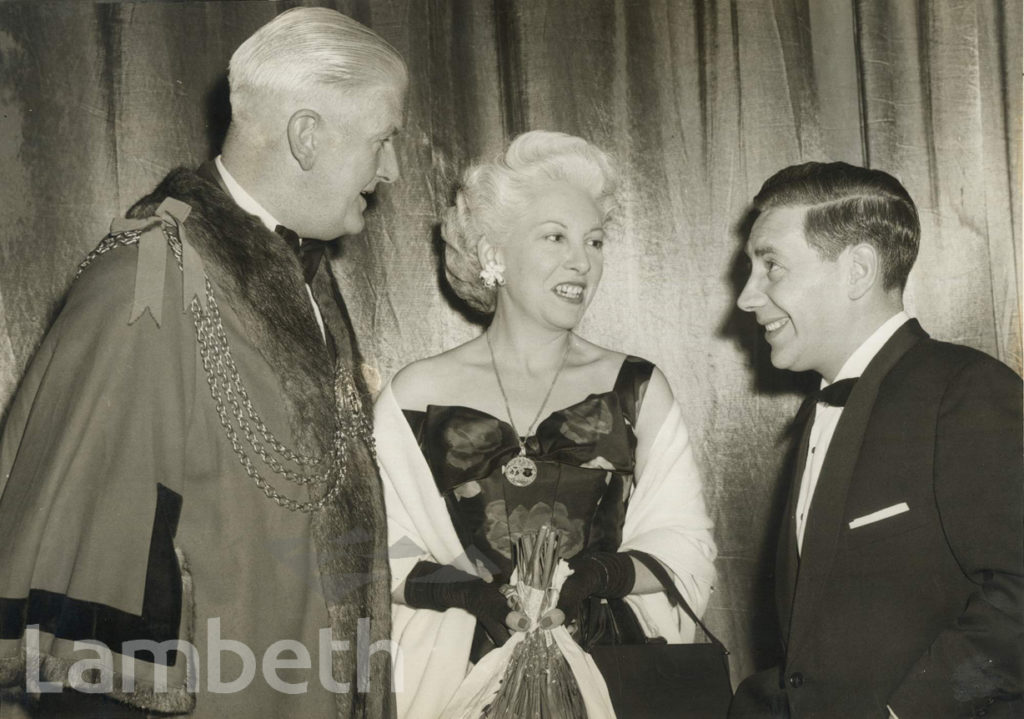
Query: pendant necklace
x=521, y=470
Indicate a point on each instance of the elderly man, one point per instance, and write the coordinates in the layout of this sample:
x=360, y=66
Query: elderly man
x=188, y=463
x=900, y=572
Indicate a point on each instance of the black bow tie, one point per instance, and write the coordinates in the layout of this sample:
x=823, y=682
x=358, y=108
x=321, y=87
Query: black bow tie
x=836, y=394
x=309, y=252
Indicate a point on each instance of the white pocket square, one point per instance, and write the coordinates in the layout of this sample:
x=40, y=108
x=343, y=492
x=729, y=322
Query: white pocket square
x=880, y=515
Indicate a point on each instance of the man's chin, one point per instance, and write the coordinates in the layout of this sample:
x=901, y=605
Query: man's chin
x=349, y=229
x=792, y=364
x=780, y=360
x=354, y=225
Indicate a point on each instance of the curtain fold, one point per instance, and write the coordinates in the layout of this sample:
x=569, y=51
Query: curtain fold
x=699, y=101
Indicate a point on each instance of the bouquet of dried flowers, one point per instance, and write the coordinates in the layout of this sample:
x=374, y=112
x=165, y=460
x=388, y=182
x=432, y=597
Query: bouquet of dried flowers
x=538, y=681
x=539, y=673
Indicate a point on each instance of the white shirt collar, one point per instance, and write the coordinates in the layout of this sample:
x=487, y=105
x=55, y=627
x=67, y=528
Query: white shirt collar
x=862, y=356
x=243, y=199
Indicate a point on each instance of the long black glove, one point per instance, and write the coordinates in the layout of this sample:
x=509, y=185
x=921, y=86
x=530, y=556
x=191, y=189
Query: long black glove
x=610, y=575
x=440, y=586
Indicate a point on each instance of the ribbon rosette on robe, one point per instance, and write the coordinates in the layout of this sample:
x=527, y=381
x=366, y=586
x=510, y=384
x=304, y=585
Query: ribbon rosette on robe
x=538, y=673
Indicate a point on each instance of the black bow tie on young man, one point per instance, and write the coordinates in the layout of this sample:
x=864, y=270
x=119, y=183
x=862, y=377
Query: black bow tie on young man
x=309, y=252
x=834, y=395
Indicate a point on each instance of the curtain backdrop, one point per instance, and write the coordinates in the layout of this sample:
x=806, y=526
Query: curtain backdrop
x=699, y=101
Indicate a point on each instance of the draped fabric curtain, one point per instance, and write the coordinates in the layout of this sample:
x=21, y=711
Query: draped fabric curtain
x=699, y=101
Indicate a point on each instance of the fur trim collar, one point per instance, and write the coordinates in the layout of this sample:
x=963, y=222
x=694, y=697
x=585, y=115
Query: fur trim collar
x=256, y=274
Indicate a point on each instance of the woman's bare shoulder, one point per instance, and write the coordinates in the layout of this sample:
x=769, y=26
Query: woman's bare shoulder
x=596, y=356
x=421, y=382
x=658, y=395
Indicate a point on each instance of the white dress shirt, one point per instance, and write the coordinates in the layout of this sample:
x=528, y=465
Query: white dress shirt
x=248, y=203
x=827, y=417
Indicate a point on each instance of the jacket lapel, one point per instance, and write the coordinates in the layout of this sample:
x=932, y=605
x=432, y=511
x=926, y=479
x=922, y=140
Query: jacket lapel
x=787, y=560
x=824, y=523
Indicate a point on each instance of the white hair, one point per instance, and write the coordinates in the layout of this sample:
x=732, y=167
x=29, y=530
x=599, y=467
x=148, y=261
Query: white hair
x=309, y=50
x=492, y=194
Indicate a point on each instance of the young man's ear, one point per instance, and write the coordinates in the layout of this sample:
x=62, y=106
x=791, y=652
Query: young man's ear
x=302, y=140
x=864, y=269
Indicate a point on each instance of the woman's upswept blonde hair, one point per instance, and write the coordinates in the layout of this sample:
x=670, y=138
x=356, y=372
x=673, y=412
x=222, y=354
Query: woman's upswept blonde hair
x=492, y=194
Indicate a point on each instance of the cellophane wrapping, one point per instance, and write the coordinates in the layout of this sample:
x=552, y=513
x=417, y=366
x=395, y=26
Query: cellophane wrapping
x=539, y=673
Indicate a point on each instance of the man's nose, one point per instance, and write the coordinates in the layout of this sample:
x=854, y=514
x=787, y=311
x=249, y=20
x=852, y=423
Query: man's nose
x=387, y=169
x=751, y=297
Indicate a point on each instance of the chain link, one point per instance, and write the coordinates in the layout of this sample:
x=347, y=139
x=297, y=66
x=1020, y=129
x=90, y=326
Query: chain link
x=237, y=414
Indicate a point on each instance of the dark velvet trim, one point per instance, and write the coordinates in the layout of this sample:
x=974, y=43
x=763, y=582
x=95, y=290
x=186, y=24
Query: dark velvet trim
x=76, y=620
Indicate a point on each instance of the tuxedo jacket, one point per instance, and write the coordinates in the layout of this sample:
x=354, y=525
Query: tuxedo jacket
x=909, y=590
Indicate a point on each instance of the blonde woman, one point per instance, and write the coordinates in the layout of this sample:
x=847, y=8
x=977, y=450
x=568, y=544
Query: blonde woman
x=531, y=424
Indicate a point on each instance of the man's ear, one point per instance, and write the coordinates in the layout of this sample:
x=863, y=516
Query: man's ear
x=302, y=140
x=864, y=269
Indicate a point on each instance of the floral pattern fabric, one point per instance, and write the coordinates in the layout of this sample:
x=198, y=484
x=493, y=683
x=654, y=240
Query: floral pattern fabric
x=585, y=456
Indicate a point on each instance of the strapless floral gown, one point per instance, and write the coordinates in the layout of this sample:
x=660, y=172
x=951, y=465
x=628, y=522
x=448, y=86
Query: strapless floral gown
x=585, y=456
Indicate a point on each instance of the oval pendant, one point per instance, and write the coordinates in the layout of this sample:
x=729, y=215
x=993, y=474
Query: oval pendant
x=520, y=471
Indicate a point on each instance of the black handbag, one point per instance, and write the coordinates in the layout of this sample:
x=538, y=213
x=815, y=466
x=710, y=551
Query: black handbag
x=657, y=679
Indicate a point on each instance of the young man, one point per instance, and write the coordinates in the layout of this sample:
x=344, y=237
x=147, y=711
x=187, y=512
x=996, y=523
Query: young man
x=188, y=458
x=900, y=570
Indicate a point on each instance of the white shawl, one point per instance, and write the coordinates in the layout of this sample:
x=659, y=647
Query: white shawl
x=665, y=517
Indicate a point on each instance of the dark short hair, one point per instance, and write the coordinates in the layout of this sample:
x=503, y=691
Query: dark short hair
x=847, y=205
